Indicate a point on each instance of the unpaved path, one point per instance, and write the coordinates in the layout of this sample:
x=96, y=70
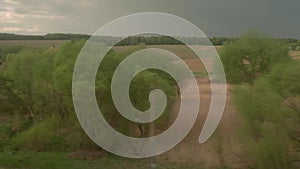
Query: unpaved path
x=221, y=149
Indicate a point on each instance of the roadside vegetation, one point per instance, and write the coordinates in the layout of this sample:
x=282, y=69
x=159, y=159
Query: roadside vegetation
x=267, y=99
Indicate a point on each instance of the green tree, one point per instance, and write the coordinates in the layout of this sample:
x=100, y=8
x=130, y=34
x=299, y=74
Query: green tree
x=64, y=63
x=270, y=117
x=251, y=56
x=10, y=103
x=37, y=83
x=20, y=71
x=139, y=90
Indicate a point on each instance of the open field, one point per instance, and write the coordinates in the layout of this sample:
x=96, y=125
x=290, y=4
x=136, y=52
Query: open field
x=180, y=50
x=185, y=53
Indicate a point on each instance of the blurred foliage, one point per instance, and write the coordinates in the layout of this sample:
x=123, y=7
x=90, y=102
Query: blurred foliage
x=36, y=85
x=270, y=111
x=251, y=56
x=5, y=50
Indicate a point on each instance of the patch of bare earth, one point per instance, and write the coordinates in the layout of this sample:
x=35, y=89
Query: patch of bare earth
x=221, y=149
x=295, y=54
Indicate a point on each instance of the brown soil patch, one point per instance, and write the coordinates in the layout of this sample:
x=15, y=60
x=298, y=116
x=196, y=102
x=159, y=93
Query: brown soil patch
x=220, y=149
x=294, y=53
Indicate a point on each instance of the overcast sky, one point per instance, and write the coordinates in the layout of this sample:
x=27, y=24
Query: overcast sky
x=278, y=18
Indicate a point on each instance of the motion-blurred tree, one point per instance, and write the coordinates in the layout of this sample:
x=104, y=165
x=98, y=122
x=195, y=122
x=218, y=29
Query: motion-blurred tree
x=270, y=115
x=250, y=56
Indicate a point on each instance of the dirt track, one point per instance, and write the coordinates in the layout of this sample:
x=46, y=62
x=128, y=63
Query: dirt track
x=220, y=149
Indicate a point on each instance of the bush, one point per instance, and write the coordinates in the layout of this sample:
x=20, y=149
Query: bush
x=40, y=137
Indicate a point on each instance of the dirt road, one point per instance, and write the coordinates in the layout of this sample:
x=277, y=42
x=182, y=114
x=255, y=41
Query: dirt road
x=221, y=149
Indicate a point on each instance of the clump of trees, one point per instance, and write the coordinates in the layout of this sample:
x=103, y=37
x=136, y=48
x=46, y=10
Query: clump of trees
x=36, y=86
x=267, y=99
x=251, y=56
x=270, y=114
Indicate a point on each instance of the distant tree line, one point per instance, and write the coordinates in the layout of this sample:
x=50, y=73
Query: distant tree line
x=50, y=36
x=132, y=40
x=167, y=40
x=135, y=40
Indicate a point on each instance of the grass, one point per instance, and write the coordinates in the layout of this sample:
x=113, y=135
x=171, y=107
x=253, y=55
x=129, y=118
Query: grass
x=51, y=160
x=31, y=160
x=48, y=155
x=200, y=74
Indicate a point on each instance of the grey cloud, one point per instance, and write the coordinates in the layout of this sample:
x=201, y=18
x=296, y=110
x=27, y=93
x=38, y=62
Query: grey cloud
x=214, y=17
